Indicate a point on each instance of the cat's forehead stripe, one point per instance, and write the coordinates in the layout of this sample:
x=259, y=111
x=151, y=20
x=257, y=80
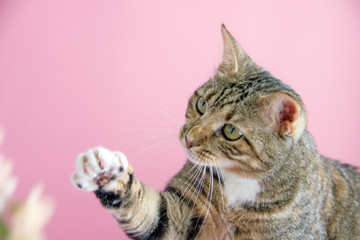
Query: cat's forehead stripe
x=231, y=96
x=220, y=95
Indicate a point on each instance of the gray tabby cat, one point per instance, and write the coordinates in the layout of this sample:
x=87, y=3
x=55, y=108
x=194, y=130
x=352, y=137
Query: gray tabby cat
x=253, y=171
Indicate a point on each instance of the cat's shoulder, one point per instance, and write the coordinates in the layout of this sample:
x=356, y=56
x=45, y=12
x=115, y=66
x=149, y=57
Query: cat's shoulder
x=344, y=171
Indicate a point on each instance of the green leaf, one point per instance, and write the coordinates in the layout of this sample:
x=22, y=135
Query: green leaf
x=4, y=232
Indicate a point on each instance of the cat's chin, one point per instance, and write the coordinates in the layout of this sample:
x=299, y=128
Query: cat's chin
x=194, y=159
x=200, y=160
x=224, y=164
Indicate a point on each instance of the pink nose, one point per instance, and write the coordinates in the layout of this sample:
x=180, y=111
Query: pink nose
x=188, y=143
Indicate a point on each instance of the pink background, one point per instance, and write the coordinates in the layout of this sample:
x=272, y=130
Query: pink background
x=75, y=74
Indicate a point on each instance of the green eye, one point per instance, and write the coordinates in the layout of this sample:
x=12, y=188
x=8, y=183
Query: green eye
x=231, y=133
x=201, y=105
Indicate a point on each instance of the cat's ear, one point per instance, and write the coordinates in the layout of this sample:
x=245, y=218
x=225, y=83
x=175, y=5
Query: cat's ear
x=284, y=113
x=234, y=57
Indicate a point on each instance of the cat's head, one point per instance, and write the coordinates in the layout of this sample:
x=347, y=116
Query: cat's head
x=243, y=119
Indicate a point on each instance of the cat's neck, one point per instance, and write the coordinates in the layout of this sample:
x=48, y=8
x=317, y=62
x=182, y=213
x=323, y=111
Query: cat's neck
x=294, y=173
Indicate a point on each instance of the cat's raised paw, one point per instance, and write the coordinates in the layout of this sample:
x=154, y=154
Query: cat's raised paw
x=100, y=168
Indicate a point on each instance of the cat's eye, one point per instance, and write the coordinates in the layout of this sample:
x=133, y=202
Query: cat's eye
x=231, y=133
x=201, y=105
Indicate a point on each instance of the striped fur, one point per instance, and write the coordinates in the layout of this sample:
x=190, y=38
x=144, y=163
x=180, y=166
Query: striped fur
x=271, y=183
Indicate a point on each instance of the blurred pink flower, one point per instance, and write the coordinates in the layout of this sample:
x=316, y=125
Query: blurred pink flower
x=7, y=182
x=29, y=218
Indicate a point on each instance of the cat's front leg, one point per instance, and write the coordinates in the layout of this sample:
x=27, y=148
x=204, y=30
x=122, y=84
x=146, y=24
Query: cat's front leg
x=142, y=212
x=139, y=209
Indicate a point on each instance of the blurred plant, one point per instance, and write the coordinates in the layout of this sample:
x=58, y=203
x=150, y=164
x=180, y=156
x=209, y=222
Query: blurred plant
x=21, y=221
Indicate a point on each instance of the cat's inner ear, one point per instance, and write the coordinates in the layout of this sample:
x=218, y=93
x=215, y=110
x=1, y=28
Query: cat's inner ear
x=284, y=113
x=234, y=57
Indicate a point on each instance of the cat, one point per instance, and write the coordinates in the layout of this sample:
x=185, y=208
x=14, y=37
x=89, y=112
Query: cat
x=253, y=170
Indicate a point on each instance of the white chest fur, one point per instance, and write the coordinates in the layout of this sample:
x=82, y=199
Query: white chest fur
x=239, y=190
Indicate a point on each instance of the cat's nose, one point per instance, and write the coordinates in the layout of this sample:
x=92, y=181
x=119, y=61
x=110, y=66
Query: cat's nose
x=189, y=143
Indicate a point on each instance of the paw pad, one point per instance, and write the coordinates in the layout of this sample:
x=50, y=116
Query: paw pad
x=97, y=167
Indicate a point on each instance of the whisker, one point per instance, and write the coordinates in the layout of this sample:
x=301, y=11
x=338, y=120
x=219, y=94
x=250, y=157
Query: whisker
x=194, y=167
x=154, y=122
x=191, y=184
x=202, y=181
x=188, y=173
x=211, y=186
x=203, y=210
x=199, y=187
x=191, y=197
x=185, y=193
x=165, y=136
x=212, y=69
x=152, y=146
x=151, y=128
x=160, y=110
x=221, y=185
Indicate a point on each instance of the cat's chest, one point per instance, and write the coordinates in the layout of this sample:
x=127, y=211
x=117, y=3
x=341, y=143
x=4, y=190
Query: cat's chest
x=239, y=190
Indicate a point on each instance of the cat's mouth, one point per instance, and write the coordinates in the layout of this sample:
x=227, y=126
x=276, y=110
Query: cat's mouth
x=199, y=158
x=192, y=158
